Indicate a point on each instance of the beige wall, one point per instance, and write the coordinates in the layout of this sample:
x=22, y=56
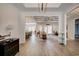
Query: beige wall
x=9, y=15
x=71, y=28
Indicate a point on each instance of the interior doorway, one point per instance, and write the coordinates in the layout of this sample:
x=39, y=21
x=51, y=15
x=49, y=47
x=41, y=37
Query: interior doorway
x=41, y=24
x=30, y=27
x=48, y=29
x=77, y=29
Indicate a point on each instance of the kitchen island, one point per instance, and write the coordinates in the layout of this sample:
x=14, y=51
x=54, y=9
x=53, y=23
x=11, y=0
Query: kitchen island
x=9, y=47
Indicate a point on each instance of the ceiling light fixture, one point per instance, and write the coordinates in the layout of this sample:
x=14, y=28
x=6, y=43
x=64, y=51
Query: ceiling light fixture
x=42, y=7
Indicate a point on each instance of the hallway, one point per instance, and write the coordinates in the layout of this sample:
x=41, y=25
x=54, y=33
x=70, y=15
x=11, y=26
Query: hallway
x=50, y=47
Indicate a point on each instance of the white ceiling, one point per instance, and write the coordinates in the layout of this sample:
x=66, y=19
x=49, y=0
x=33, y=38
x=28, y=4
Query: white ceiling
x=42, y=19
x=74, y=12
x=51, y=7
x=30, y=5
x=45, y=18
x=54, y=5
x=36, y=5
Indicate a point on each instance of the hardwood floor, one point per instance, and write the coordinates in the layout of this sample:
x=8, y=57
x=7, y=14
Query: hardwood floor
x=50, y=47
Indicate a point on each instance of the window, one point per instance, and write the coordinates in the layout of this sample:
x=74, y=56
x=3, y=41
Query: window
x=30, y=26
x=49, y=29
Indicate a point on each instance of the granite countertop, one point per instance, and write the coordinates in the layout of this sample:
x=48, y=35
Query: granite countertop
x=6, y=41
x=1, y=39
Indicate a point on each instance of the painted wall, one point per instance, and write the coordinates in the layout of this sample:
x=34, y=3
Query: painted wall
x=71, y=28
x=9, y=16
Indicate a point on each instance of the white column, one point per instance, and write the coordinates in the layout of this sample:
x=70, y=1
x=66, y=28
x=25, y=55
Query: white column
x=62, y=29
x=65, y=28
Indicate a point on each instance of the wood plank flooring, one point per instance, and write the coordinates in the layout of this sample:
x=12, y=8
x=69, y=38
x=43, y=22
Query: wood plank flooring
x=50, y=47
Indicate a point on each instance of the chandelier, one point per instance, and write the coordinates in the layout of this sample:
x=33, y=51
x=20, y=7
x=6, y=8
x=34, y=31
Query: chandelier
x=42, y=7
